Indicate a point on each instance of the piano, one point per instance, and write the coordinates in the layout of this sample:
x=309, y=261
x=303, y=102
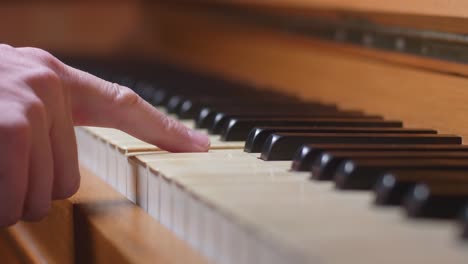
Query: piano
x=336, y=137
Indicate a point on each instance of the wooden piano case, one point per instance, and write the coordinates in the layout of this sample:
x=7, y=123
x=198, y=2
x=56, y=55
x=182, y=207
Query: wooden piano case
x=403, y=59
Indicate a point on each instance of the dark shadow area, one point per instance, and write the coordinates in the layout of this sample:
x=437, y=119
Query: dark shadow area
x=83, y=237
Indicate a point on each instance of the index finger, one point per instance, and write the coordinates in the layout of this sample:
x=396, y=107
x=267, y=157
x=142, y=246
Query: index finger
x=96, y=102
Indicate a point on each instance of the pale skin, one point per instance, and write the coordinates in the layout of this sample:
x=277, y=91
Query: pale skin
x=41, y=99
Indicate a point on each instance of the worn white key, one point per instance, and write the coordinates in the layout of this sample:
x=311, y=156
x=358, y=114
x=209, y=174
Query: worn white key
x=317, y=220
x=113, y=149
x=235, y=208
x=241, y=168
x=170, y=163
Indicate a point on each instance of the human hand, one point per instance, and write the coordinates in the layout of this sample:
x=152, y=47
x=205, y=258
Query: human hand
x=41, y=99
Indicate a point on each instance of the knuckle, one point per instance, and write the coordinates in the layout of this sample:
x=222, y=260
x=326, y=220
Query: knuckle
x=167, y=122
x=35, y=109
x=45, y=80
x=5, y=46
x=172, y=126
x=32, y=50
x=44, y=57
x=123, y=96
x=45, y=76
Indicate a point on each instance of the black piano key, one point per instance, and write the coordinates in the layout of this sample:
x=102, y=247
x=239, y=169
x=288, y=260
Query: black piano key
x=392, y=187
x=160, y=97
x=436, y=200
x=326, y=164
x=191, y=107
x=126, y=81
x=163, y=93
x=238, y=128
x=174, y=103
x=307, y=154
x=144, y=90
x=258, y=135
x=391, y=191
x=282, y=146
x=207, y=115
x=173, y=92
x=364, y=174
x=222, y=118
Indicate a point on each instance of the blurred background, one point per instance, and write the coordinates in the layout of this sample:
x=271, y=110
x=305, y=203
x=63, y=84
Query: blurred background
x=79, y=28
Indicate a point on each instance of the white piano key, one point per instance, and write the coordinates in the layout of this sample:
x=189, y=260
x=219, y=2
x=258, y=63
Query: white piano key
x=102, y=161
x=181, y=168
x=132, y=179
x=202, y=171
x=195, y=213
x=95, y=154
x=111, y=168
x=272, y=255
x=212, y=233
x=137, y=183
x=88, y=141
x=265, y=214
x=153, y=196
x=79, y=147
x=139, y=163
x=323, y=219
x=86, y=152
x=203, y=212
x=141, y=190
x=121, y=172
x=229, y=244
x=251, y=245
x=165, y=203
x=179, y=197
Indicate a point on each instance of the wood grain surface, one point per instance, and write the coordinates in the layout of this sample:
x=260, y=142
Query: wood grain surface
x=100, y=225
x=97, y=225
x=422, y=93
x=71, y=27
x=453, y=8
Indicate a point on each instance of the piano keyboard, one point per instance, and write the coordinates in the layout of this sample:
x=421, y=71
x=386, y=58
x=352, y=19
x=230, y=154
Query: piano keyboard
x=287, y=181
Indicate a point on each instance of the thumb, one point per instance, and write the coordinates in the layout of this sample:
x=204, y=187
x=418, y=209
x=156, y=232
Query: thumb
x=96, y=102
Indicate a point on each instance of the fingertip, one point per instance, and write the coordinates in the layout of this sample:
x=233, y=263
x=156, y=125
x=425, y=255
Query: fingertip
x=200, y=140
x=66, y=187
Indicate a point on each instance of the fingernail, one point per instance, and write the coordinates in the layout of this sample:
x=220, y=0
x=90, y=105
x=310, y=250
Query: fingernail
x=200, y=139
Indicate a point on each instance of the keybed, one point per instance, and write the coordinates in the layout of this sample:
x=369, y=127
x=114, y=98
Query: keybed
x=249, y=203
